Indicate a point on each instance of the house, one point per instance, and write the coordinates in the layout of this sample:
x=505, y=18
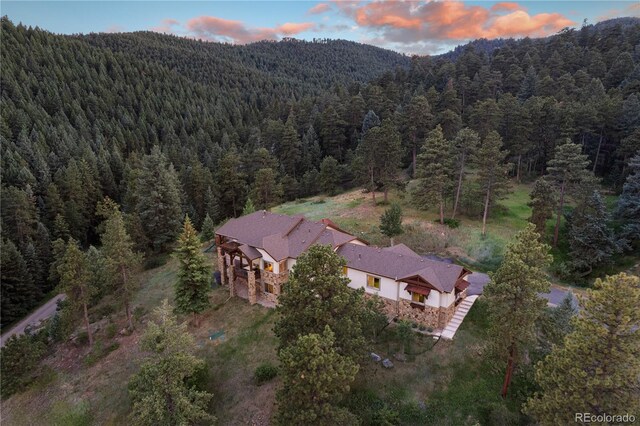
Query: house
x=256, y=252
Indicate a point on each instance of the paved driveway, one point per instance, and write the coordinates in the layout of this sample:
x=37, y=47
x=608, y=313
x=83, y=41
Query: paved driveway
x=477, y=281
x=42, y=313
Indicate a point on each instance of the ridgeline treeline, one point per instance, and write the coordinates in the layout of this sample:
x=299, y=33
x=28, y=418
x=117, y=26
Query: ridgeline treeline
x=167, y=126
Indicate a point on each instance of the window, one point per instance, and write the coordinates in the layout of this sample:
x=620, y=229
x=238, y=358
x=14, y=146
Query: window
x=344, y=270
x=417, y=297
x=268, y=288
x=268, y=266
x=373, y=282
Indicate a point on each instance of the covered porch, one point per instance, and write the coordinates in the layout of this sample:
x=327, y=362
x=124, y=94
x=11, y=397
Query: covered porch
x=240, y=268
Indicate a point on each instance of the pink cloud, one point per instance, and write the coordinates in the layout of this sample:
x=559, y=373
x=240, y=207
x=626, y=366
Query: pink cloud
x=411, y=22
x=319, y=8
x=506, y=7
x=631, y=10
x=166, y=26
x=220, y=29
x=292, y=28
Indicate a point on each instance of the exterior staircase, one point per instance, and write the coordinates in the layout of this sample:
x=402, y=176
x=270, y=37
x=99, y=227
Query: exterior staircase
x=461, y=312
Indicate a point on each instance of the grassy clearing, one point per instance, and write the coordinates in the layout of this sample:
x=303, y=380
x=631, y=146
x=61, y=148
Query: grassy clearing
x=355, y=211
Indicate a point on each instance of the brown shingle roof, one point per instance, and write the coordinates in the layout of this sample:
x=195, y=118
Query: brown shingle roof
x=252, y=228
x=281, y=236
x=398, y=264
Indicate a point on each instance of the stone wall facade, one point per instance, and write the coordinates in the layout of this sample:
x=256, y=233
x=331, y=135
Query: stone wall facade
x=252, y=287
x=420, y=314
x=445, y=315
x=232, y=281
x=277, y=281
x=221, y=267
x=429, y=316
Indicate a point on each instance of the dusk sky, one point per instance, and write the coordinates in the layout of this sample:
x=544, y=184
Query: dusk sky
x=406, y=26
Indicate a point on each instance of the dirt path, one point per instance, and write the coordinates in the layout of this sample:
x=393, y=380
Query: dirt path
x=43, y=312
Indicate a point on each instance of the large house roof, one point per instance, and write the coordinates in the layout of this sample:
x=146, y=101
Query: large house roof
x=401, y=263
x=281, y=236
x=285, y=237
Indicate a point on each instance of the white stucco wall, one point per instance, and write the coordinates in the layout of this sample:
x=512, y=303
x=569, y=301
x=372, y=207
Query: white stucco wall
x=434, y=298
x=291, y=263
x=388, y=287
x=268, y=258
x=393, y=290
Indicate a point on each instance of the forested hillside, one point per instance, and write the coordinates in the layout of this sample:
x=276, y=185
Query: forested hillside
x=81, y=116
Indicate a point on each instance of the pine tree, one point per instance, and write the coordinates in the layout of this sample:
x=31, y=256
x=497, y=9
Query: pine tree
x=266, y=191
x=159, y=204
x=434, y=172
x=248, y=208
x=591, y=241
x=529, y=85
x=417, y=120
x=315, y=378
x=211, y=205
x=596, y=369
x=121, y=260
x=194, y=275
x=389, y=155
x=332, y=133
x=492, y=172
x=161, y=392
x=542, y=202
x=18, y=289
x=61, y=228
x=207, y=232
x=311, y=154
x=370, y=121
x=567, y=172
x=513, y=294
x=316, y=290
x=231, y=183
x=557, y=323
x=366, y=161
x=329, y=175
x=391, y=222
x=75, y=280
x=465, y=144
x=290, y=147
x=628, y=209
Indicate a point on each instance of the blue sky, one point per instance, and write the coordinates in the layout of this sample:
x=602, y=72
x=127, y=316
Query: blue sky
x=421, y=27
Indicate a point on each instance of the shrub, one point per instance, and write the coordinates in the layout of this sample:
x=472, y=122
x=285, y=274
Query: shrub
x=102, y=311
x=414, y=325
x=62, y=324
x=64, y=414
x=111, y=330
x=82, y=339
x=452, y=223
x=138, y=312
x=156, y=261
x=99, y=351
x=20, y=358
x=264, y=373
x=422, y=327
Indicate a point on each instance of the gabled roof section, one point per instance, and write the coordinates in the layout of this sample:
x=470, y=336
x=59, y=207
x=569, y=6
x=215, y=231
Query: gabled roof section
x=252, y=228
x=403, y=250
x=401, y=263
x=334, y=238
x=281, y=236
